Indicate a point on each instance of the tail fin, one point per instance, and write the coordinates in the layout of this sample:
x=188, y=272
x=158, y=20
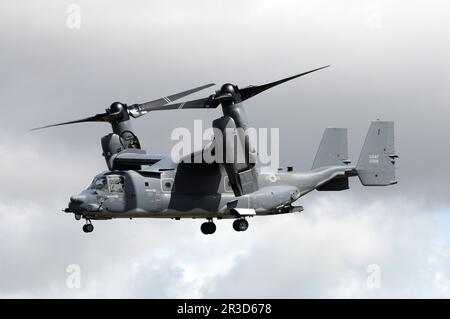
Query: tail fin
x=376, y=164
x=333, y=149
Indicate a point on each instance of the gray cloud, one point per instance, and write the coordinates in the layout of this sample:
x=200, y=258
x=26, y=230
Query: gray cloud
x=322, y=253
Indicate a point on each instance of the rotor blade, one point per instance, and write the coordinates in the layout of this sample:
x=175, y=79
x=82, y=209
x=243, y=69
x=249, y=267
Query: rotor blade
x=251, y=91
x=214, y=101
x=96, y=118
x=194, y=104
x=141, y=109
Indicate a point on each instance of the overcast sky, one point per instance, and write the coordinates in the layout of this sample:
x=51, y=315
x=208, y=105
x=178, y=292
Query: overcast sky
x=389, y=60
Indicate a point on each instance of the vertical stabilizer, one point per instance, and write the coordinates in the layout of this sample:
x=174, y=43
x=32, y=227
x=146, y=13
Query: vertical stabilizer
x=376, y=164
x=333, y=149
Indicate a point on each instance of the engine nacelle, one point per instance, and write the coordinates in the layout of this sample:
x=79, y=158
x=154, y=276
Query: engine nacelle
x=111, y=144
x=232, y=150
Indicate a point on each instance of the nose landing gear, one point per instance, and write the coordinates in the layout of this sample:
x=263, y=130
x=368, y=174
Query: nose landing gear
x=208, y=228
x=240, y=224
x=88, y=227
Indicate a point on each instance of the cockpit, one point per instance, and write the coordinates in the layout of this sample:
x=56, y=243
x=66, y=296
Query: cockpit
x=108, y=183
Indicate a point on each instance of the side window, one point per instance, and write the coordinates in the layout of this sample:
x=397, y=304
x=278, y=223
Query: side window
x=115, y=183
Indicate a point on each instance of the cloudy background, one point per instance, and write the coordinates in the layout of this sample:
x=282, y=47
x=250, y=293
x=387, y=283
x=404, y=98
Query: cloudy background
x=390, y=60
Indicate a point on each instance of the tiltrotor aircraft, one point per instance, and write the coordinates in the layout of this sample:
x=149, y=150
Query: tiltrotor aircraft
x=139, y=185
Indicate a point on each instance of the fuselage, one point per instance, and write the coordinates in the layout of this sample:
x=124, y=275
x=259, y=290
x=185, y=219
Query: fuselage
x=192, y=191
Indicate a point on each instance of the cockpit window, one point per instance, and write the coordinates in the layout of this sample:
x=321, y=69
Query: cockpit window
x=110, y=183
x=100, y=184
x=115, y=183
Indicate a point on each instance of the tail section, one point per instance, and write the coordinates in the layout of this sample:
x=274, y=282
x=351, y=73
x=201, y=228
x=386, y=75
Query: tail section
x=333, y=149
x=376, y=164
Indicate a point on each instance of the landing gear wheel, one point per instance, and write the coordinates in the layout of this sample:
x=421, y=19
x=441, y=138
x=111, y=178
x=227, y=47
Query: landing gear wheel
x=240, y=225
x=88, y=228
x=208, y=228
x=211, y=228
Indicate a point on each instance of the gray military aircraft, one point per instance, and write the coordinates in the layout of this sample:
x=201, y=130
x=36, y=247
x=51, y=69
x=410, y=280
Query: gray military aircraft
x=140, y=185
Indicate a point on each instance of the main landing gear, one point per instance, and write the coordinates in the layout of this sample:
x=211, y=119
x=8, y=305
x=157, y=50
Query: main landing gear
x=240, y=224
x=208, y=228
x=88, y=227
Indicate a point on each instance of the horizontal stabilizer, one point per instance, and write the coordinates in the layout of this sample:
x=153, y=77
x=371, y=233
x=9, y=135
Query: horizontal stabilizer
x=336, y=184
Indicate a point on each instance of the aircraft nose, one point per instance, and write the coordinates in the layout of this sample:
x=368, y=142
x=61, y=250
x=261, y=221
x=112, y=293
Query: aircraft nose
x=84, y=203
x=78, y=199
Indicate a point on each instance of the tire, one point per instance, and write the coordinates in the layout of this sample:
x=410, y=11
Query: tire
x=240, y=224
x=208, y=228
x=211, y=228
x=88, y=228
x=235, y=225
x=204, y=228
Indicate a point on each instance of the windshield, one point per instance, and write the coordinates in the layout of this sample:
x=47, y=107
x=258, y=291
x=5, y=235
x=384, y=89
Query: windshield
x=110, y=183
x=99, y=183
